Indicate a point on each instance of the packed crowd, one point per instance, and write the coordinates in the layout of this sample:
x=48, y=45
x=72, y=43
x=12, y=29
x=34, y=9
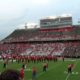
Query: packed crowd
x=67, y=49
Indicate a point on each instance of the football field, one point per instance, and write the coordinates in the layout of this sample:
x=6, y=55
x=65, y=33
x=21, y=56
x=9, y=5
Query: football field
x=55, y=71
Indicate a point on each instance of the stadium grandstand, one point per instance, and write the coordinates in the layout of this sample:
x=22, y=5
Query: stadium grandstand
x=58, y=41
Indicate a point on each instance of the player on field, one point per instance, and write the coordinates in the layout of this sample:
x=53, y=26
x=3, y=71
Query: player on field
x=45, y=66
x=23, y=65
x=70, y=68
x=34, y=74
x=22, y=73
x=63, y=59
x=5, y=63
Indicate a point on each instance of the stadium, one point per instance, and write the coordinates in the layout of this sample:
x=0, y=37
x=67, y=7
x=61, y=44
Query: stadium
x=56, y=37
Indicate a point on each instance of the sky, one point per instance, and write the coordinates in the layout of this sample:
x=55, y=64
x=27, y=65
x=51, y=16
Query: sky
x=15, y=13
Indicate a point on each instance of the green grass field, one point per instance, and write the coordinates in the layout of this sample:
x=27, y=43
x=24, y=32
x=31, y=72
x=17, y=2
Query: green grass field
x=55, y=71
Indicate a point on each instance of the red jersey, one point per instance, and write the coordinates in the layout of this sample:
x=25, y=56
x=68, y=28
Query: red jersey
x=22, y=73
x=4, y=62
x=62, y=57
x=72, y=65
x=34, y=70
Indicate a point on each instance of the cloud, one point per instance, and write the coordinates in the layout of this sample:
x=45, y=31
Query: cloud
x=21, y=26
x=40, y=1
x=14, y=13
x=12, y=8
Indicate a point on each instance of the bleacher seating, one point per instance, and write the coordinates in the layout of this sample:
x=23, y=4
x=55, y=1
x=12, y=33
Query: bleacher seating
x=70, y=33
x=61, y=42
x=67, y=49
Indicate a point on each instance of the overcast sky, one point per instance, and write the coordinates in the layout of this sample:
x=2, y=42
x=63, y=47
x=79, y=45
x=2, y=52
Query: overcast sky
x=15, y=13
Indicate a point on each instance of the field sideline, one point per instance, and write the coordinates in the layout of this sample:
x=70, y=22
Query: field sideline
x=55, y=71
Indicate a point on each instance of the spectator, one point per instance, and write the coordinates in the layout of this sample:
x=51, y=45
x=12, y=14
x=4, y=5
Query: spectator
x=10, y=74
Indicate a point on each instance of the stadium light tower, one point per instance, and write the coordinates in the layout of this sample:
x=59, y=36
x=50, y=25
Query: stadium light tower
x=25, y=26
x=79, y=21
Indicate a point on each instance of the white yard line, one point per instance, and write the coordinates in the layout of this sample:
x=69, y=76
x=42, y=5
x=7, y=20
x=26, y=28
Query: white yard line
x=67, y=76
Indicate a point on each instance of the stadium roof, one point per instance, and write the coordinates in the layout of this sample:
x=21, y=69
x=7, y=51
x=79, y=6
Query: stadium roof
x=54, y=17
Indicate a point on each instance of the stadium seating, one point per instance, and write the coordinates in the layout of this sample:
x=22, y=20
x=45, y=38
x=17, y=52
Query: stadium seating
x=43, y=34
x=67, y=49
x=61, y=42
